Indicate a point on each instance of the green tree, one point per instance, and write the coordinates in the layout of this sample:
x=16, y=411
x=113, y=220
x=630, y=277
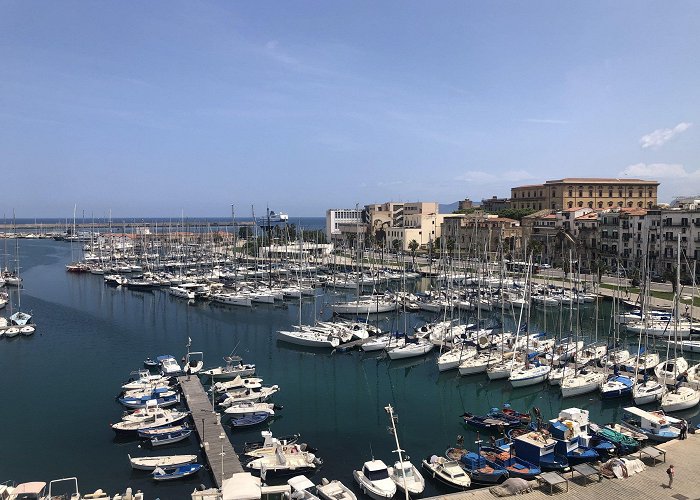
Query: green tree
x=396, y=245
x=413, y=246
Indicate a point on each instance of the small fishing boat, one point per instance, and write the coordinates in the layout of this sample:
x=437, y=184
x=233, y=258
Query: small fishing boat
x=407, y=477
x=616, y=386
x=249, y=408
x=168, y=399
x=334, y=490
x=168, y=365
x=480, y=471
x=231, y=370
x=170, y=437
x=490, y=423
x=250, y=420
x=448, y=472
x=236, y=383
x=167, y=461
x=504, y=457
x=509, y=413
x=269, y=444
x=150, y=363
x=538, y=447
x=374, y=480
x=161, y=431
x=656, y=425
x=624, y=444
x=301, y=487
x=243, y=395
x=167, y=474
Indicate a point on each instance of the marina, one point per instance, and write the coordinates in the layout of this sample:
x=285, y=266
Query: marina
x=330, y=396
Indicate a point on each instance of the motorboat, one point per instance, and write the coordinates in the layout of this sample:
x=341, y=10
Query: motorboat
x=285, y=461
x=448, y=472
x=166, y=461
x=168, y=365
x=247, y=408
x=656, y=425
x=301, y=487
x=334, y=490
x=233, y=368
x=407, y=477
x=243, y=395
x=480, y=471
x=248, y=383
x=268, y=444
x=151, y=423
x=148, y=434
x=167, y=474
x=374, y=480
x=250, y=420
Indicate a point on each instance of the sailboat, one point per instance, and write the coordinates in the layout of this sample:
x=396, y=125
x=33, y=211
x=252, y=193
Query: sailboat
x=19, y=318
x=682, y=397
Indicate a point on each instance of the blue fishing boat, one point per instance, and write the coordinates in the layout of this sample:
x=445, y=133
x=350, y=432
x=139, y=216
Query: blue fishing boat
x=170, y=437
x=161, y=431
x=490, y=423
x=509, y=413
x=480, y=471
x=163, y=402
x=167, y=474
x=570, y=431
x=250, y=420
x=538, y=448
x=504, y=456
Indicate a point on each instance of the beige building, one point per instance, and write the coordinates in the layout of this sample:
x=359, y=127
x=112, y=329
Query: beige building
x=593, y=193
x=405, y=222
x=476, y=233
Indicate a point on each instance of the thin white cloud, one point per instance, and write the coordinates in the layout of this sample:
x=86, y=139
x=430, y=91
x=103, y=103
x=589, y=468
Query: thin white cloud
x=658, y=171
x=549, y=121
x=661, y=136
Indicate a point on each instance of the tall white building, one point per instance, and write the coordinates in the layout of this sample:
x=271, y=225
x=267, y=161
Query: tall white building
x=336, y=218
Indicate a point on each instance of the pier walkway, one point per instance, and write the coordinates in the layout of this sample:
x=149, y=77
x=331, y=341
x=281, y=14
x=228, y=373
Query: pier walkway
x=649, y=484
x=209, y=431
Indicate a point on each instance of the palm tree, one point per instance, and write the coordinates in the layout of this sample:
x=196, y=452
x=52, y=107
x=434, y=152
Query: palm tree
x=413, y=246
x=396, y=244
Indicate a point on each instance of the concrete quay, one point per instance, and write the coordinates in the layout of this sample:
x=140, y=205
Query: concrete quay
x=649, y=484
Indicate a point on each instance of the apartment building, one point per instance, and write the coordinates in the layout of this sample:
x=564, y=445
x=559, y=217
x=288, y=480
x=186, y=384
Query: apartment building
x=476, y=233
x=593, y=193
x=344, y=225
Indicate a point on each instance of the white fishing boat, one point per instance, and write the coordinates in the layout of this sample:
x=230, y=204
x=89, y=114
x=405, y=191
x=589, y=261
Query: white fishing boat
x=248, y=383
x=334, y=490
x=584, y=382
x=407, y=477
x=529, y=375
x=233, y=368
x=285, y=462
x=301, y=488
x=374, y=480
x=447, y=472
x=150, y=463
x=410, y=349
x=249, y=408
x=244, y=395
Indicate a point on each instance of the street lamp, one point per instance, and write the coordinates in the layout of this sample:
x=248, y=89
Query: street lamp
x=222, y=436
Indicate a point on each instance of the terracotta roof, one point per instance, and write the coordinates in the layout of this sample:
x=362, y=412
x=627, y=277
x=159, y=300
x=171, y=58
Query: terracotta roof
x=588, y=216
x=600, y=180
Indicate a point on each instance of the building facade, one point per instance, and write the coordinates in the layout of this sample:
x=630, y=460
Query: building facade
x=342, y=222
x=479, y=233
x=495, y=204
x=593, y=193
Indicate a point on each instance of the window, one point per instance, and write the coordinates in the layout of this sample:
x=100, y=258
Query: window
x=570, y=204
x=580, y=193
x=619, y=193
x=571, y=193
x=590, y=204
x=600, y=204
x=650, y=204
x=610, y=193
x=629, y=204
x=600, y=193
x=619, y=204
x=590, y=193
x=580, y=204
x=639, y=204
x=610, y=203
x=641, y=193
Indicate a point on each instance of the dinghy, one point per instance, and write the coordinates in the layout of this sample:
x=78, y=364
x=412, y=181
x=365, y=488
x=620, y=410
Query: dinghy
x=334, y=490
x=168, y=461
x=250, y=420
x=170, y=437
x=165, y=474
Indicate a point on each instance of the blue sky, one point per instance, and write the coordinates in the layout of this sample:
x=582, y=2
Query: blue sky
x=158, y=108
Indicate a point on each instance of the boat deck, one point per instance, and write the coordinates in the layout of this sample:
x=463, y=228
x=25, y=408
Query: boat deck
x=649, y=484
x=209, y=430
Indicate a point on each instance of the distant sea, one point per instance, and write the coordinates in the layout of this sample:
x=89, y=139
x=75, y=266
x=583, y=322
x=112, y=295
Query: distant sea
x=311, y=223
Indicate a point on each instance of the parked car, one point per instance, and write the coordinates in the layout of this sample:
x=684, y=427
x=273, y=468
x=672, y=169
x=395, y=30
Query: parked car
x=657, y=278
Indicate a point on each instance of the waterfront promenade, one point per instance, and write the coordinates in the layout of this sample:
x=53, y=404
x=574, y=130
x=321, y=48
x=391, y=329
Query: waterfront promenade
x=210, y=431
x=649, y=484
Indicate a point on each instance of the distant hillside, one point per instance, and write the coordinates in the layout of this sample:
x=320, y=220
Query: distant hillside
x=448, y=208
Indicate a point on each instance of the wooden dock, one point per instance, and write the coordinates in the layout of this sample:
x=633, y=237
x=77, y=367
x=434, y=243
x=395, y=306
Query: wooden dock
x=209, y=431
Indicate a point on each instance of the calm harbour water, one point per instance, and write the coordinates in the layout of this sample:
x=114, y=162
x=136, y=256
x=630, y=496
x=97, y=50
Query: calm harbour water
x=58, y=386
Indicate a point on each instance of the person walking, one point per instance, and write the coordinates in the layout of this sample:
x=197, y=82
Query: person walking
x=671, y=472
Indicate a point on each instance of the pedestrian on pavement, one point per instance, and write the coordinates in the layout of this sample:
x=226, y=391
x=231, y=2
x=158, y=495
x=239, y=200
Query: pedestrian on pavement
x=187, y=371
x=671, y=472
x=684, y=430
